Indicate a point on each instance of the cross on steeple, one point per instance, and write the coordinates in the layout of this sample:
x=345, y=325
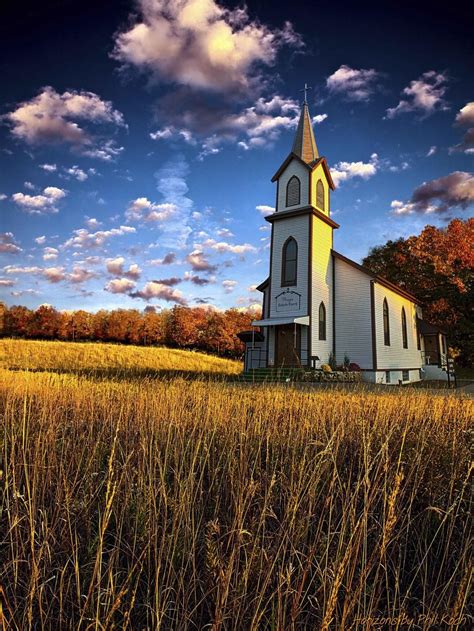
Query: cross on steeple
x=305, y=90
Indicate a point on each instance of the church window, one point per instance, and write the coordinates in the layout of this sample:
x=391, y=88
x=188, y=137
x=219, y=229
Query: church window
x=386, y=324
x=322, y=321
x=404, y=329
x=293, y=189
x=320, y=195
x=289, y=262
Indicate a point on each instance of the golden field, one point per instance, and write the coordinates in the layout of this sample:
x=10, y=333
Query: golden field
x=143, y=489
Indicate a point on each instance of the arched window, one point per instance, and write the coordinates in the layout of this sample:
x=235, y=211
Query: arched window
x=320, y=195
x=322, y=321
x=289, y=262
x=386, y=324
x=293, y=191
x=404, y=329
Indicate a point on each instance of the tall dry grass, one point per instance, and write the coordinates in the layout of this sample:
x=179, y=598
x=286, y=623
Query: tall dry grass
x=191, y=504
x=109, y=360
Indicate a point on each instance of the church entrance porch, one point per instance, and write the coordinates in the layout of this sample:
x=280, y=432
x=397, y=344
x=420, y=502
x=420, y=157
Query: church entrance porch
x=288, y=345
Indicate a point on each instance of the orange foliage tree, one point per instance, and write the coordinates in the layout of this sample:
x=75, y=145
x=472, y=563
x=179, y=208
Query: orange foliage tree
x=437, y=266
x=198, y=328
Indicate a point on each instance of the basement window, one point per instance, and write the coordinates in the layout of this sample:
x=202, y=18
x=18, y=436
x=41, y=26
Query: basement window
x=405, y=375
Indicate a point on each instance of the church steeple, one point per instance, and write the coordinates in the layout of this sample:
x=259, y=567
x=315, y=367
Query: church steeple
x=304, y=145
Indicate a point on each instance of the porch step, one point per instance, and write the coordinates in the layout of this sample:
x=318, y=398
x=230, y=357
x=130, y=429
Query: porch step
x=433, y=372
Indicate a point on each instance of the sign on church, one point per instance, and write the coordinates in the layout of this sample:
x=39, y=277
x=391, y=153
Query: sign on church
x=288, y=301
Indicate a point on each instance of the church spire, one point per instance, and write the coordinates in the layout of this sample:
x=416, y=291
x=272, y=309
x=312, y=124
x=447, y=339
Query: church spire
x=304, y=145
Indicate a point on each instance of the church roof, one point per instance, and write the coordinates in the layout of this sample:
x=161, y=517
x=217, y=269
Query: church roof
x=304, y=148
x=378, y=279
x=311, y=166
x=304, y=144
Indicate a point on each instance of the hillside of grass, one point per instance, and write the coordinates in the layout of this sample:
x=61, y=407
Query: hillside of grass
x=110, y=359
x=177, y=503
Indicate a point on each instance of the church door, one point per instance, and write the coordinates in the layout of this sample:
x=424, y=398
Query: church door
x=288, y=345
x=432, y=348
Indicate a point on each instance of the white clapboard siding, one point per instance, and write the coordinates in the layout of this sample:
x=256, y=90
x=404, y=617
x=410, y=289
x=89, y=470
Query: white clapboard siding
x=321, y=288
x=298, y=228
x=395, y=356
x=294, y=168
x=353, y=315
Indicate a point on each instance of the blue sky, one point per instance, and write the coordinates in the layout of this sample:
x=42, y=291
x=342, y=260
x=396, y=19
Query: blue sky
x=137, y=144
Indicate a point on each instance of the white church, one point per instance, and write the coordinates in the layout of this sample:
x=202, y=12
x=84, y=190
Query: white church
x=318, y=303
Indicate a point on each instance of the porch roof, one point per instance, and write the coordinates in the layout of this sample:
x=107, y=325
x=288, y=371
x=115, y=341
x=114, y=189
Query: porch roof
x=304, y=320
x=425, y=328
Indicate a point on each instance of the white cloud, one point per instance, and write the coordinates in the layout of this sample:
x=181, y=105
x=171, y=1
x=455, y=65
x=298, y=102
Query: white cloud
x=229, y=285
x=223, y=246
x=343, y=171
x=20, y=269
x=80, y=275
x=84, y=239
x=424, y=95
x=49, y=168
x=225, y=232
x=3, y=196
x=264, y=209
x=159, y=291
x=355, y=85
x=170, y=131
x=319, y=118
x=40, y=204
x=177, y=206
x=50, y=118
x=7, y=244
x=465, y=116
x=143, y=209
x=455, y=190
x=78, y=173
x=115, y=266
x=431, y=151
x=29, y=186
x=201, y=44
x=40, y=240
x=199, y=280
x=92, y=223
x=168, y=259
x=6, y=282
x=199, y=261
x=50, y=254
x=256, y=126
x=107, y=152
x=54, y=274
x=23, y=292
x=467, y=144
x=120, y=285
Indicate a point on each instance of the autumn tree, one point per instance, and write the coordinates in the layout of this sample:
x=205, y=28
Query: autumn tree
x=100, y=324
x=437, y=266
x=201, y=328
x=17, y=321
x=153, y=327
x=186, y=326
x=45, y=323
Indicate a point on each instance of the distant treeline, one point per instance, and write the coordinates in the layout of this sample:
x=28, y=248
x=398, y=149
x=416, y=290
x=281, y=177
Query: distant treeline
x=182, y=327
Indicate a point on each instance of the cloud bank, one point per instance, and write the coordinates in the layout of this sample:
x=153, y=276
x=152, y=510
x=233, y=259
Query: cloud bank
x=201, y=44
